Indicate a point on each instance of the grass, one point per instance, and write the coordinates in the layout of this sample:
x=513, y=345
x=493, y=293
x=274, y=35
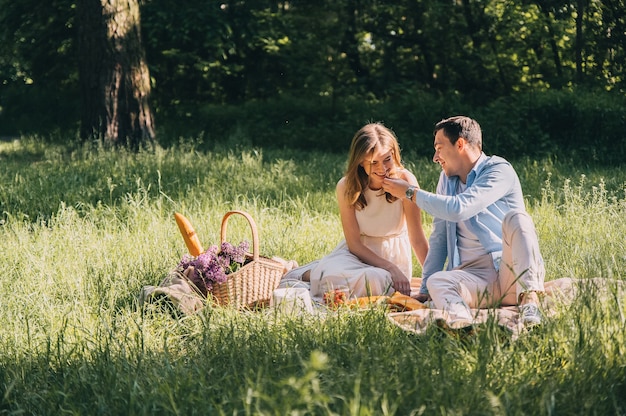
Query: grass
x=83, y=230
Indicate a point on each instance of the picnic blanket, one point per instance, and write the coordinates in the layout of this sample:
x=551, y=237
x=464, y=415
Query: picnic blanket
x=405, y=312
x=558, y=292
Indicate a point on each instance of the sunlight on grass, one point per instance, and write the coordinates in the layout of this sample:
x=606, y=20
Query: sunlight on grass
x=83, y=230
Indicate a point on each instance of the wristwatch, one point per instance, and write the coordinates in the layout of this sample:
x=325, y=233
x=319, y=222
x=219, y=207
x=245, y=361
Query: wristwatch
x=410, y=192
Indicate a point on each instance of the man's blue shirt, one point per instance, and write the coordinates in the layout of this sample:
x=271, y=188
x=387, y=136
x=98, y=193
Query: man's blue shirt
x=493, y=189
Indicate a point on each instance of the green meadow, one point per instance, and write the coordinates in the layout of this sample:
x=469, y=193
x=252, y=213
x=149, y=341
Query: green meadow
x=83, y=229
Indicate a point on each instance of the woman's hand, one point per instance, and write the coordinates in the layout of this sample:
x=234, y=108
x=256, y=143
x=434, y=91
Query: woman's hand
x=399, y=281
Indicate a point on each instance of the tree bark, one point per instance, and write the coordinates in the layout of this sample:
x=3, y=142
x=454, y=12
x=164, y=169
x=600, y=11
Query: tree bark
x=114, y=76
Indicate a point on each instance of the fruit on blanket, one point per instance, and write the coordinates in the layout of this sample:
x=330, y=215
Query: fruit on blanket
x=369, y=300
x=335, y=297
x=189, y=235
x=397, y=302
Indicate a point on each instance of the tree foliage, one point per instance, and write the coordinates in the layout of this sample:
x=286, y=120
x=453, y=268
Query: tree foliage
x=203, y=54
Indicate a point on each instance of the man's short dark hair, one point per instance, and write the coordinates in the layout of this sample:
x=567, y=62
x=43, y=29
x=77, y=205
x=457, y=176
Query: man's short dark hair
x=461, y=126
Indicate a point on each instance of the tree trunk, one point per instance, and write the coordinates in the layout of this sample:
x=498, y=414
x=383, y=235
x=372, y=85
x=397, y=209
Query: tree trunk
x=114, y=76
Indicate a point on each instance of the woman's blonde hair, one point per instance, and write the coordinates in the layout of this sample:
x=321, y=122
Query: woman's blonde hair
x=370, y=137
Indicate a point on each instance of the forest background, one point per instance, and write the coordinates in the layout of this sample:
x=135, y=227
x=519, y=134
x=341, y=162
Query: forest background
x=543, y=77
x=251, y=106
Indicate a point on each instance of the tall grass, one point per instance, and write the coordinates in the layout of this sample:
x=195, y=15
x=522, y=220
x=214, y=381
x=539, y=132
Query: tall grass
x=83, y=229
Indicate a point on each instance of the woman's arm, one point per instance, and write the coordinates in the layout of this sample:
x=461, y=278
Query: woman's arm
x=352, y=234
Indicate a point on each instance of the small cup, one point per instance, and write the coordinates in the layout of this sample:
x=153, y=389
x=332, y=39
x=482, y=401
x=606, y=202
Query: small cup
x=292, y=300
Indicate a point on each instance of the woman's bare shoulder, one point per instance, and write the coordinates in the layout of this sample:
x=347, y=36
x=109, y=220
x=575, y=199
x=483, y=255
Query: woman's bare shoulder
x=341, y=183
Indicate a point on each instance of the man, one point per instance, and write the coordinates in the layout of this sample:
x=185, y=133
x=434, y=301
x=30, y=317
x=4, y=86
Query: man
x=482, y=233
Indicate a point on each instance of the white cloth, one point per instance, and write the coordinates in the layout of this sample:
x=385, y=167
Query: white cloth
x=383, y=230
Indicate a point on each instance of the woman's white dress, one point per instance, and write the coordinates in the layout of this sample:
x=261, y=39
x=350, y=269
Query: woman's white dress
x=383, y=230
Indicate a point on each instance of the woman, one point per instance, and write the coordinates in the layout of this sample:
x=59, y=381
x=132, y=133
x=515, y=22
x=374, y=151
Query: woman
x=375, y=257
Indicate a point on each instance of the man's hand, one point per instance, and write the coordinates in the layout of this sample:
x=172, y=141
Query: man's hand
x=396, y=187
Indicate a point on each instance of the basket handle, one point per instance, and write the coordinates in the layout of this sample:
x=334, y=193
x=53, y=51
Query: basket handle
x=255, y=234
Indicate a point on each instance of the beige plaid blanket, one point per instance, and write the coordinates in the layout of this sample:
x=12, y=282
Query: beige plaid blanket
x=558, y=293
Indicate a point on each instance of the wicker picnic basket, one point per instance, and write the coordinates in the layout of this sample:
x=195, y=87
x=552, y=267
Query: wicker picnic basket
x=253, y=284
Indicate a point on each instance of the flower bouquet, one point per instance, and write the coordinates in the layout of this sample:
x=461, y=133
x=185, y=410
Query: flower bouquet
x=214, y=265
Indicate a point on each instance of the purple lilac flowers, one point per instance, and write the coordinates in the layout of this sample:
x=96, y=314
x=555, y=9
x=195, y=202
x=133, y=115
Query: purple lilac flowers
x=214, y=264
